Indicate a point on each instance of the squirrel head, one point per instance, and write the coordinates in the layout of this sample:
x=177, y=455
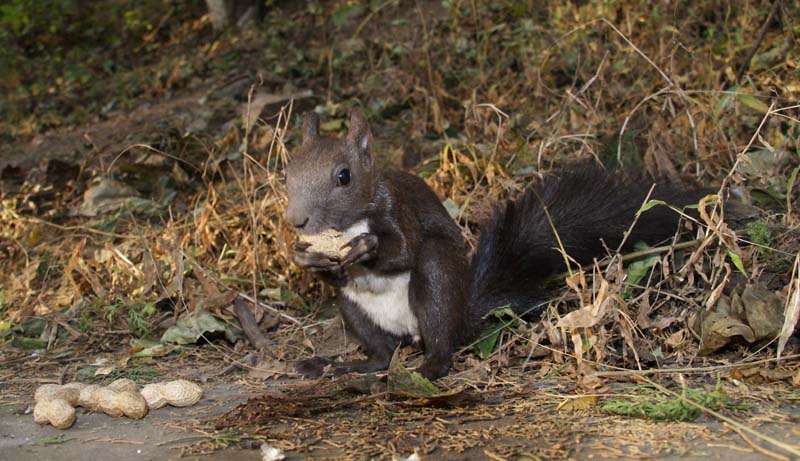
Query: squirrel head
x=330, y=181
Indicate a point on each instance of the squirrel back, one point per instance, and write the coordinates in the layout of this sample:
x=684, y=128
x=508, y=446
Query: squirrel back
x=590, y=208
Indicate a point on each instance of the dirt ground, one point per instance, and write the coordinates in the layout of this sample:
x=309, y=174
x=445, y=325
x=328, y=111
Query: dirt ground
x=164, y=432
x=517, y=417
x=98, y=437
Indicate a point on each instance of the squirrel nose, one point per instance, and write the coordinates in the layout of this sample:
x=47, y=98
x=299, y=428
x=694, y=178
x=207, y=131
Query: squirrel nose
x=297, y=214
x=297, y=224
x=296, y=218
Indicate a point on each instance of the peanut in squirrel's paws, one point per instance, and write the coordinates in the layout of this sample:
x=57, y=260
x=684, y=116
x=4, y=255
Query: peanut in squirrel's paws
x=329, y=242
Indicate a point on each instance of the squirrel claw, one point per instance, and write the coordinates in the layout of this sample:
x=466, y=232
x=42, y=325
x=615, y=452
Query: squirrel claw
x=299, y=245
x=315, y=261
x=362, y=249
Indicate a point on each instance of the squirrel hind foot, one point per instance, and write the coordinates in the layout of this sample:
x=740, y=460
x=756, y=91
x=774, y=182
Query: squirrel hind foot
x=312, y=368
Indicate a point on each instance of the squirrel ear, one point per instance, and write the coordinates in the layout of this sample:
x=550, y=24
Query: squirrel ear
x=310, y=126
x=359, y=133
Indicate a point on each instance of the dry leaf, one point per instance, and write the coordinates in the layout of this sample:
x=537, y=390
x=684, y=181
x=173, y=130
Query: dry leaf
x=763, y=310
x=717, y=292
x=588, y=379
x=627, y=333
x=104, y=371
x=270, y=369
x=590, y=315
x=583, y=402
x=761, y=374
x=675, y=340
x=754, y=316
x=792, y=311
x=717, y=329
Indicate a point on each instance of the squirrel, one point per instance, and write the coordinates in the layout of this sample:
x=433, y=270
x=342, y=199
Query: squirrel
x=407, y=279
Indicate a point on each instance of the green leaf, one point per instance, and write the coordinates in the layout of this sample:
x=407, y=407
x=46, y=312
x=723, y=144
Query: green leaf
x=485, y=346
x=189, y=328
x=451, y=207
x=23, y=342
x=507, y=318
x=671, y=29
x=345, y=14
x=768, y=196
x=638, y=271
x=723, y=103
x=332, y=125
x=762, y=162
x=150, y=349
x=5, y=327
x=790, y=187
x=737, y=261
x=651, y=204
x=51, y=440
x=149, y=309
x=752, y=102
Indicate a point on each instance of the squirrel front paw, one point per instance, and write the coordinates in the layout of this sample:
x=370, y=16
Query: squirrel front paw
x=362, y=249
x=311, y=259
x=328, y=270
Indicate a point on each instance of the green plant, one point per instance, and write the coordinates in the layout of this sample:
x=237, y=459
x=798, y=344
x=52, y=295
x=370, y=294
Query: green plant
x=47, y=264
x=110, y=310
x=5, y=302
x=648, y=403
x=55, y=440
x=137, y=319
x=136, y=315
x=505, y=319
x=759, y=233
x=226, y=437
x=85, y=320
x=638, y=270
x=140, y=374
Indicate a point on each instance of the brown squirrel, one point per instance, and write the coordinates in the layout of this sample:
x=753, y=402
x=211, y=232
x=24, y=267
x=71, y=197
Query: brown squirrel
x=407, y=278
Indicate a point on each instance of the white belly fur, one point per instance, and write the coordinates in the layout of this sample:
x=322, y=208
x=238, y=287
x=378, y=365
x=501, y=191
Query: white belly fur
x=358, y=228
x=383, y=298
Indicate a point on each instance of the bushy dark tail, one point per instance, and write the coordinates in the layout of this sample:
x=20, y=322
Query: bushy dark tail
x=590, y=209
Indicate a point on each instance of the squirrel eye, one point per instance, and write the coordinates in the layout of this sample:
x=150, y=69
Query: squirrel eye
x=343, y=177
